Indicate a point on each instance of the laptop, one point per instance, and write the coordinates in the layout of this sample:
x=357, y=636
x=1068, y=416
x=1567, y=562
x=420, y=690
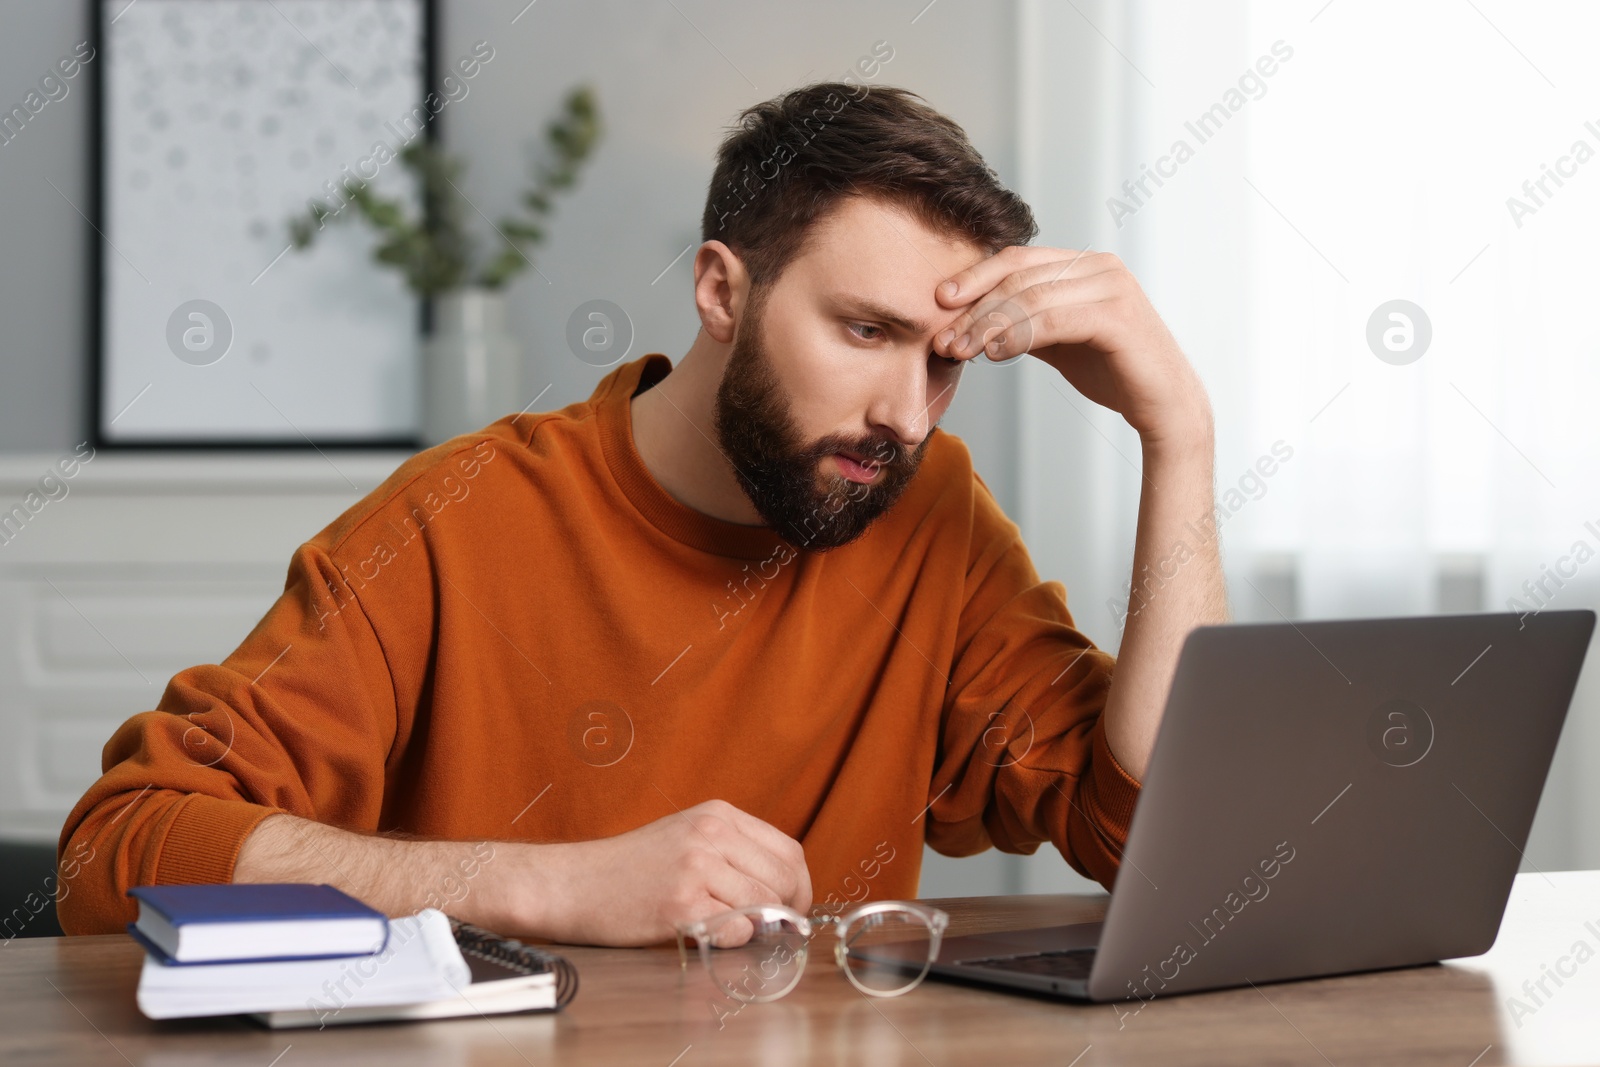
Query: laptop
x=1323, y=798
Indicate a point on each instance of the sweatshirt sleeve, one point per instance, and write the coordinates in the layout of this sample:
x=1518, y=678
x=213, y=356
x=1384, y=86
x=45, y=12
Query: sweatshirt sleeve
x=299, y=718
x=1023, y=757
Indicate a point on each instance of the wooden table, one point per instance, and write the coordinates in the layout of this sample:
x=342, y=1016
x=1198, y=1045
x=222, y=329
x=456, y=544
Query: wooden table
x=70, y=1001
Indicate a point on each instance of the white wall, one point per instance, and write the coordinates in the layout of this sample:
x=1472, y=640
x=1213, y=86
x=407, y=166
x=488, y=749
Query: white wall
x=669, y=78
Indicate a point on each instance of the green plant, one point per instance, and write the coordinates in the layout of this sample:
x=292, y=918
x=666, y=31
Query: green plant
x=434, y=250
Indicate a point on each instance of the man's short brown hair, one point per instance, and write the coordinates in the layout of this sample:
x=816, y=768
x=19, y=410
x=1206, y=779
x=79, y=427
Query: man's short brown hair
x=790, y=160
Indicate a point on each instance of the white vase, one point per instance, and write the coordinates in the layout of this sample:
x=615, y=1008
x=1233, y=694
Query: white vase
x=471, y=365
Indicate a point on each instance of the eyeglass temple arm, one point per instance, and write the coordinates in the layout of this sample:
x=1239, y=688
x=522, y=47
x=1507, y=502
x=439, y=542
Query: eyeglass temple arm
x=683, y=953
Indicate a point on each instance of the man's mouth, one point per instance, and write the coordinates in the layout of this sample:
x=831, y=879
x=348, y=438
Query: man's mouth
x=856, y=467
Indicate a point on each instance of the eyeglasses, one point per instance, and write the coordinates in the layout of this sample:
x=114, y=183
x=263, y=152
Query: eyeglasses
x=757, y=953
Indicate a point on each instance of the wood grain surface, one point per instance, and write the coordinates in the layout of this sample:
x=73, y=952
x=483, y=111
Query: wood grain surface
x=71, y=1001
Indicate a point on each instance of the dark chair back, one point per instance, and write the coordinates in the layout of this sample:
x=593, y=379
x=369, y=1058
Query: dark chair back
x=27, y=890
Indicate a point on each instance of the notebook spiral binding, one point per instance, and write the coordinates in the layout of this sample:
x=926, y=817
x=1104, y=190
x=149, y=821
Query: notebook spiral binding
x=513, y=953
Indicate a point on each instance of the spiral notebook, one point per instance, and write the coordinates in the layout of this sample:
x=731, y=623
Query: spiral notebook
x=507, y=976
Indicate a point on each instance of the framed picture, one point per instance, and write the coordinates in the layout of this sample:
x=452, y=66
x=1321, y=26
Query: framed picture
x=217, y=122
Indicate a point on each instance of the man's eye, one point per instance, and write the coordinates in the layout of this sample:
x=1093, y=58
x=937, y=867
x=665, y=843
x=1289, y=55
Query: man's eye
x=854, y=326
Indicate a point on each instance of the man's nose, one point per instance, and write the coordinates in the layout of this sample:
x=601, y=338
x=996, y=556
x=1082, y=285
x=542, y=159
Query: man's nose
x=901, y=412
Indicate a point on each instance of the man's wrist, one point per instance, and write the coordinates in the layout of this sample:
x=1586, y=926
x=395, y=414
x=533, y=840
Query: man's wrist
x=522, y=893
x=1188, y=427
x=1188, y=442
x=507, y=886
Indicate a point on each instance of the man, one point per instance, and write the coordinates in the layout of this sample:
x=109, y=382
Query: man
x=742, y=630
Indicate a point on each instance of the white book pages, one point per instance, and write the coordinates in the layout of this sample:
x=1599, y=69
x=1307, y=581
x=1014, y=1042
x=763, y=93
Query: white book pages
x=420, y=963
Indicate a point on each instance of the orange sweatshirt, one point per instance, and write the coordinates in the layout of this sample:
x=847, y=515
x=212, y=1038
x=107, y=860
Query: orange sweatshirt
x=520, y=635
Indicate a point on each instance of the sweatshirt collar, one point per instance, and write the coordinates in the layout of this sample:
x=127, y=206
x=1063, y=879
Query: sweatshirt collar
x=677, y=520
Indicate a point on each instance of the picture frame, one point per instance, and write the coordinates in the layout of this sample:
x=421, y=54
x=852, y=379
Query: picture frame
x=214, y=122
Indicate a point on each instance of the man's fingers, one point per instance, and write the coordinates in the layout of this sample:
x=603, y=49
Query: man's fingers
x=731, y=888
x=714, y=830
x=731, y=933
x=984, y=275
x=965, y=285
x=734, y=888
x=1003, y=304
x=782, y=850
x=1022, y=317
x=766, y=867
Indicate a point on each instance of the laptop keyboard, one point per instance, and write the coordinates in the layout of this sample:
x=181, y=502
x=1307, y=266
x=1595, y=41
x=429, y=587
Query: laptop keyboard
x=1066, y=963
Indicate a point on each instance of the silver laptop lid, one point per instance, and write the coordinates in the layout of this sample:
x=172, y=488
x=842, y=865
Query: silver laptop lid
x=1327, y=797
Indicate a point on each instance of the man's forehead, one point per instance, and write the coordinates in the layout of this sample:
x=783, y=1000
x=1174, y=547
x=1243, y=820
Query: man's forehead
x=878, y=261
x=873, y=233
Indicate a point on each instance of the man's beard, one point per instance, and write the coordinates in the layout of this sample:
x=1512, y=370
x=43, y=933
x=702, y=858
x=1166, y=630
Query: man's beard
x=780, y=474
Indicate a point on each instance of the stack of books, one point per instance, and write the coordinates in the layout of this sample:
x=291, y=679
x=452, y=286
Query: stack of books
x=294, y=955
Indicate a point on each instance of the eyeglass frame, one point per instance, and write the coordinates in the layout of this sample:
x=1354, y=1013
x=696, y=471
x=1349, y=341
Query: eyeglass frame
x=936, y=919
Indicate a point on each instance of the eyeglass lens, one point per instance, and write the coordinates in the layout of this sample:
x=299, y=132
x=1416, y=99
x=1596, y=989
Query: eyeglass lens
x=885, y=934
x=763, y=966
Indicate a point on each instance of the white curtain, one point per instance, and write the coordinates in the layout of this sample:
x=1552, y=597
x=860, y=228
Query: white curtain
x=1338, y=157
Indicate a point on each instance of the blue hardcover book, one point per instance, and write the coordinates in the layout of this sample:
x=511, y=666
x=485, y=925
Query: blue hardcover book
x=230, y=922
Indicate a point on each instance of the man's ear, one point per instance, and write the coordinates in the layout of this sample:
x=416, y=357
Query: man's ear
x=721, y=290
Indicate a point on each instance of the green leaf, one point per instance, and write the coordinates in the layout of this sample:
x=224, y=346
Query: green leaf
x=435, y=251
x=525, y=231
x=501, y=269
